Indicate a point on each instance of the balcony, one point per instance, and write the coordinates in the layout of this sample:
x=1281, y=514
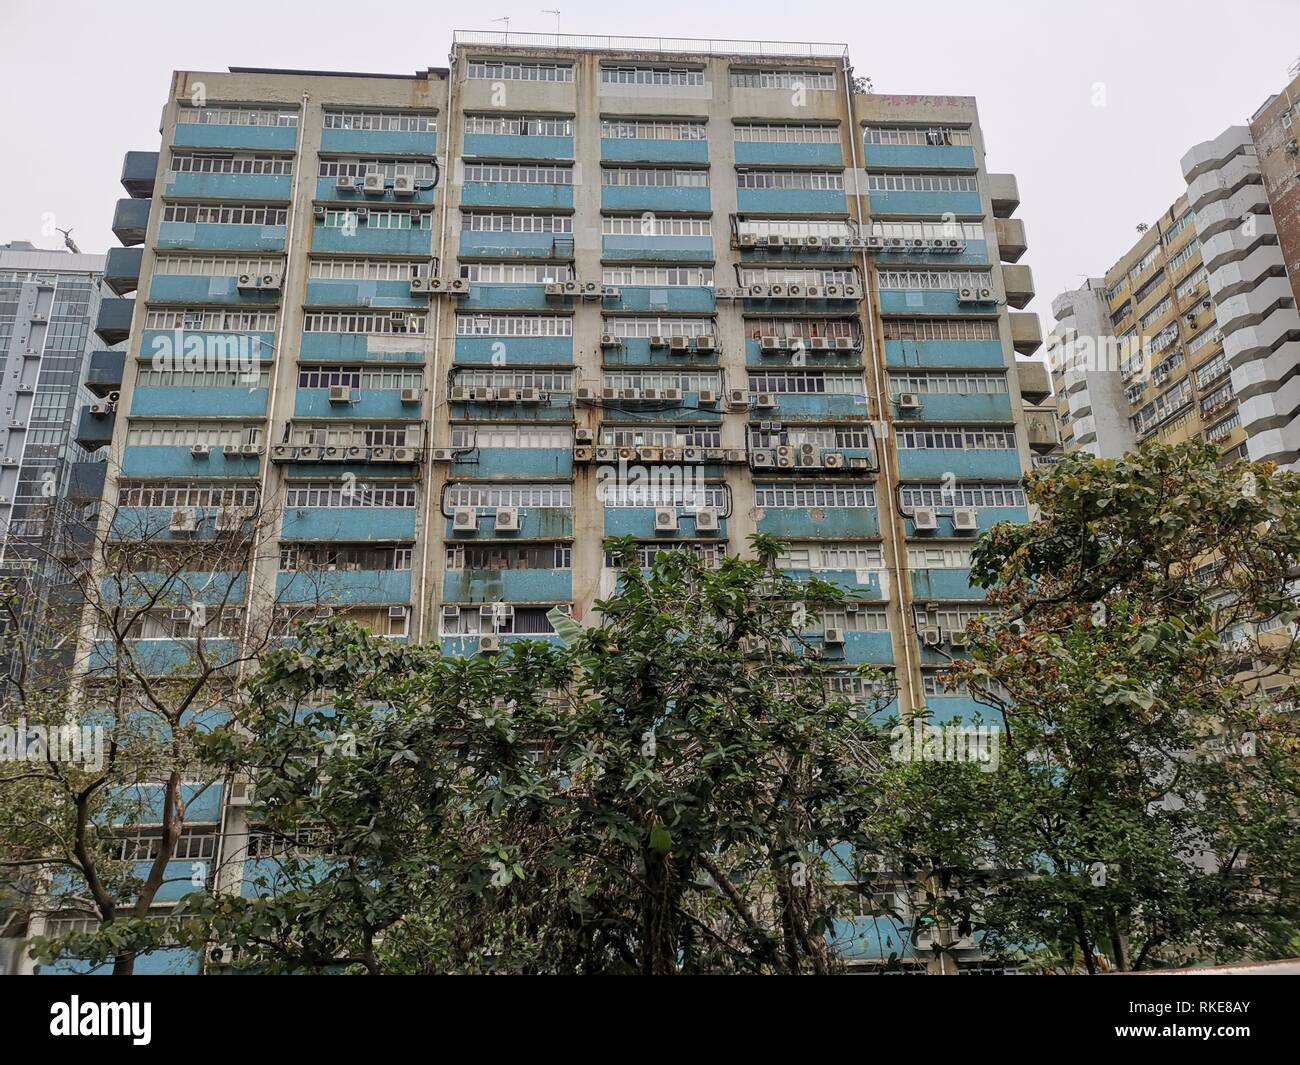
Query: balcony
x=220, y=236
x=508, y=146
x=928, y=354
x=344, y=587
x=1004, y=194
x=913, y=204
x=86, y=481
x=945, y=584
x=199, y=402
x=512, y=194
x=104, y=374
x=114, y=322
x=535, y=523
x=1026, y=332
x=94, y=430
x=377, y=294
x=139, y=170
x=657, y=249
x=147, y=460
x=791, y=201
x=253, y=138
x=1035, y=382
x=801, y=523
x=265, y=188
x=653, y=150
x=122, y=269
x=1003, y=465
x=507, y=585
x=1042, y=430
x=543, y=463
x=1011, y=238
x=1019, y=284
x=369, y=142
x=640, y=522
x=380, y=404
x=349, y=524
x=364, y=240
x=131, y=221
x=761, y=153
x=691, y=200
x=921, y=156
x=931, y=301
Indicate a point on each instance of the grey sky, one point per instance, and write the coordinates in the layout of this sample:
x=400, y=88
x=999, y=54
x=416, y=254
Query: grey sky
x=83, y=82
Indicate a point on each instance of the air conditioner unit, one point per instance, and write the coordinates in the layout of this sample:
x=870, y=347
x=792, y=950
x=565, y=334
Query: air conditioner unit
x=373, y=184
x=464, y=519
x=362, y=213
x=318, y=213
x=649, y=454
x=221, y=955
x=404, y=454
x=345, y=183
x=250, y=451
x=875, y=243
x=489, y=644
x=650, y=395
x=584, y=436
x=611, y=292
x=832, y=292
x=403, y=185
x=775, y=240
x=966, y=295
x=553, y=288
x=200, y=451
x=442, y=454
x=670, y=395
x=909, y=401
x=458, y=287
x=246, y=283
x=794, y=290
x=241, y=793
x=421, y=286
x=309, y=454
x=282, y=453
x=381, y=454
x=708, y=398
x=965, y=519
x=506, y=395
x=777, y=291
x=706, y=520
x=658, y=342
x=813, y=292
x=230, y=450
x=583, y=453
x=665, y=519
x=693, y=455
x=585, y=395
x=630, y=395
x=924, y=519
x=746, y=240
x=530, y=395
x=762, y=459
x=334, y=454
x=759, y=292
x=183, y=520
x=591, y=290
x=844, y=344
x=833, y=460
x=269, y=283
x=932, y=636
x=672, y=454
x=737, y=398
x=726, y=293
x=734, y=455
x=679, y=343
x=818, y=344
x=765, y=401
x=986, y=295
x=850, y=292
x=808, y=455
x=771, y=344
x=460, y=394
x=606, y=454
x=785, y=457
x=608, y=395
x=833, y=637
x=609, y=340
x=706, y=343
x=957, y=638
x=507, y=519
x=410, y=395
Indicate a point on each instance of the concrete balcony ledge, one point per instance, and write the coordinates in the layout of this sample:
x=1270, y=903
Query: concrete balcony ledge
x=1231, y=244
x=1212, y=153
x=1250, y=308
x=1004, y=193
x=1217, y=183
x=1237, y=277
x=1280, y=327
x=1034, y=380
x=131, y=221
x=139, y=170
x=1026, y=332
x=114, y=322
x=1223, y=215
x=122, y=269
x=1010, y=234
x=104, y=373
x=1018, y=282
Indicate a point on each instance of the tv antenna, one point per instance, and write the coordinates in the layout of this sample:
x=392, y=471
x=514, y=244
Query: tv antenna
x=68, y=242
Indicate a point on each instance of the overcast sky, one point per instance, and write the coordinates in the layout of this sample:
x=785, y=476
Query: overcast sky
x=82, y=82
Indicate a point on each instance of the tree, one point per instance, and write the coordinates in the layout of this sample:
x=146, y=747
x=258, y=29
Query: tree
x=655, y=795
x=1140, y=655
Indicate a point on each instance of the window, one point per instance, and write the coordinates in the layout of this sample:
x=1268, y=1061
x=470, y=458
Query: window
x=314, y=558
x=1217, y=400
x=363, y=322
x=853, y=621
x=789, y=381
x=350, y=434
x=347, y=218
x=473, y=619
x=802, y=328
x=195, y=318
x=508, y=556
x=1164, y=405
x=795, y=229
x=1192, y=282
x=841, y=437
x=802, y=495
x=490, y=496
x=1221, y=429
x=639, y=75
x=1192, y=249
x=787, y=133
x=511, y=436
x=237, y=116
x=654, y=177
x=516, y=273
x=917, y=135
x=365, y=270
x=335, y=494
x=519, y=173
x=813, y=80
x=517, y=70
x=150, y=378
x=833, y=556
x=940, y=329
x=780, y=275
x=820, y=180
x=1157, y=312
x=660, y=436
x=1145, y=263
x=943, y=439
x=230, y=163
x=931, y=556
x=659, y=129
x=652, y=225
x=631, y=328
x=225, y=214
x=932, y=279
x=215, y=265
x=513, y=325
x=174, y=434
x=659, y=276
x=382, y=121
x=1212, y=370
x=390, y=168
x=519, y=125
x=711, y=554
x=544, y=380
x=949, y=384
x=362, y=377
x=664, y=493
x=164, y=495
x=932, y=230
x=1206, y=336
x=504, y=222
x=938, y=497
x=686, y=380
x=906, y=182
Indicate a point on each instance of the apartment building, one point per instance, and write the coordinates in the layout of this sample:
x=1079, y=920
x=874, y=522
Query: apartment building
x=1137, y=354
x=459, y=327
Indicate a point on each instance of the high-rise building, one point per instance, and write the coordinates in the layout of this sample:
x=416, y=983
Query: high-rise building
x=456, y=328
x=49, y=301
x=1137, y=354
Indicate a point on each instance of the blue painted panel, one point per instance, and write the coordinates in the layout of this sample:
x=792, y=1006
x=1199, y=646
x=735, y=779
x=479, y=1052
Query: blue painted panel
x=375, y=294
x=508, y=586
x=943, y=353
x=344, y=587
x=151, y=523
x=507, y=297
x=935, y=204
x=931, y=301
x=158, y=461
x=518, y=351
x=924, y=156
x=758, y=152
x=202, y=349
x=944, y=584
x=207, y=236
x=351, y=524
x=326, y=189
x=331, y=346
x=145, y=804
x=976, y=253
x=681, y=249
x=999, y=465
x=379, y=403
x=872, y=939
x=558, y=407
x=515, y=194
x=180, y=288
x=199, y=402
x=504, y=146
x=986, y=518
x=815, y=405
x=651, y=150
x=547, y=463
x=170, y=961
x=363, y=239
x=792, y=201
x=981, y=407
x=876, y=648
x=535, y=523
x=380, y=142
x=466, y=646
x=839, y=523
x=260, y=187
x=678, y=298
x=943, y=708
x=846, y=579
x=831, y=359
x=201, y=135
x=510, y=245
x=636, y=351
x=638, y=198
x=640, y=522
x=157, y=658
x=219, y=588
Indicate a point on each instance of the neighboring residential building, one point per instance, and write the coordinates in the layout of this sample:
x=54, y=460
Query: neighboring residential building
x=485, y=292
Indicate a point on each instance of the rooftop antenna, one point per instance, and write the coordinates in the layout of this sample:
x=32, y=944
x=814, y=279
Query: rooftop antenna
x=68, y=242
x=506, y=20
x=556, y=12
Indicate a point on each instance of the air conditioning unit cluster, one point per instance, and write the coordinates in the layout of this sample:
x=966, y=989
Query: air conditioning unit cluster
x=800, y=291
x=921, y=245
x=587, y=290
x=774, y=345
x=504, y=519
x=490, y=394
x=976, y=295
x=281, y=453
x=439, y=286
x=269, y=282
x=610, y=394
x=684, y=345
